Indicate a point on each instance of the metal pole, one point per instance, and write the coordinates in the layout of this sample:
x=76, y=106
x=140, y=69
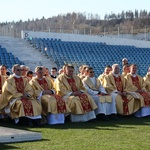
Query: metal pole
x=145, y=34
x=118, y=32
x=131, y=31
x=90, y=31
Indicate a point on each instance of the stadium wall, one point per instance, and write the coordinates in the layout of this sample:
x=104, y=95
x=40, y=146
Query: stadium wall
x=86, y=38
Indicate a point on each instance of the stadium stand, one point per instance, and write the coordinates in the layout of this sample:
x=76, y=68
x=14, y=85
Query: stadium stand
x=96, y=54
x=8, y=59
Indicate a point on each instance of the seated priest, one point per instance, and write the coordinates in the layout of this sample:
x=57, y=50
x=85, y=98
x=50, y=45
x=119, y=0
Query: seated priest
x=53, y=106
x=138, y=86
x=106, y=104
x=2, y=80
x=116, y=85
x=71, y=88
x=17, y=100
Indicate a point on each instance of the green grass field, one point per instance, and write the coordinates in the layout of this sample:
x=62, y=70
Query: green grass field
x=128, y=133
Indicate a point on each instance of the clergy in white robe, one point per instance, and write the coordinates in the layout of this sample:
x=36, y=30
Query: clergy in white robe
x=106, y=103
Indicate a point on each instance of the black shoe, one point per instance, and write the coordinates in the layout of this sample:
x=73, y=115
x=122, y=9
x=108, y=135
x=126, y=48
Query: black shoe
x=67, y=118
x=27, y=122
x=22, y=121
x=30, y=124
x=92, y=121
x=113, y=117
x=37, y=122
x=102, y=117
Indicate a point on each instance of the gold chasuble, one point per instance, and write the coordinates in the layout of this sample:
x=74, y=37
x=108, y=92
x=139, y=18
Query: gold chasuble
x=83, y=97
x=27, y=105
x=119, y=86
x=80, y=104
x=125, y=105
x=147, y=82
x=50, y=103
x=2, y=80
x=146, y=95
x=12, y=92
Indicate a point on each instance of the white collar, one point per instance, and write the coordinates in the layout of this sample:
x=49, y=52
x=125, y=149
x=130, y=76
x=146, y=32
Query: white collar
x=133, y=75
x=116, y=75
x=16, y=76
x=92, y=77
x=40, y=78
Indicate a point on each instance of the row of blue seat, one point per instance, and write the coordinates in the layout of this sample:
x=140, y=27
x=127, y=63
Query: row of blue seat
x=97, y=55
x=8, y=59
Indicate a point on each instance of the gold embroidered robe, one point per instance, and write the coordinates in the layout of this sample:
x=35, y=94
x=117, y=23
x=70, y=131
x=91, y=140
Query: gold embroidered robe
x=133, y=88
x=147, y=82
x=2, y=80
x=133, y=104
x=64, y=89
x=101, y=78
x=49, y=102
x=11, y=98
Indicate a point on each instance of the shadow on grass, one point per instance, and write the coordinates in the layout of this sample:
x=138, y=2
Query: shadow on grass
x=123, y=122
x=6, y=146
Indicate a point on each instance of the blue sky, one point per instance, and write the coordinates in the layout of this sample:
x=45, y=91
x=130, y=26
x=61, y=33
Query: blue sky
x=14, y=10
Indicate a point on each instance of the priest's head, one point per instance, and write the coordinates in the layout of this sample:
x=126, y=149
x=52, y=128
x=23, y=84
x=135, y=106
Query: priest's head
x=107, y=70
x=124, y=61
x=39, y=72
x=133, y=69
x=115, y=68
x=89, y=72
x=16, y=69
x=3, y=70
x=23, y=70
x=69, y=70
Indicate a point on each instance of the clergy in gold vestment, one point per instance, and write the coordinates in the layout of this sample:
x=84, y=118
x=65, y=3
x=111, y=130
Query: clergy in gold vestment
x=82, y=71
x=106, y=72
x=2, y=80
x=70, y=87
x=137, y=86
x=147, y=81
x=115, y=84
x=17, y=97
x=106, y=104
x=125, y=70
x=52, y=104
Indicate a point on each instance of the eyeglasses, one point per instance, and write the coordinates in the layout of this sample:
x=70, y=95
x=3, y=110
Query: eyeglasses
x=2, y=69
x=91, y=71
x=18, y=69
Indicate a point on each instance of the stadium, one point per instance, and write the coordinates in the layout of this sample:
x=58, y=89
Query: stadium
x=88, y=110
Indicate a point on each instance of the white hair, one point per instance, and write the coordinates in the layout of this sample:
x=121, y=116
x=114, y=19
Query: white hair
x=124, y=59
x=114, y=65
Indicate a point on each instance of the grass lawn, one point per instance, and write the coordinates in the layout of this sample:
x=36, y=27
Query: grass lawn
x=128, y=133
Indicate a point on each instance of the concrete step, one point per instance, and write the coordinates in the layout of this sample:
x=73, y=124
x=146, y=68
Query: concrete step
x=9, y=135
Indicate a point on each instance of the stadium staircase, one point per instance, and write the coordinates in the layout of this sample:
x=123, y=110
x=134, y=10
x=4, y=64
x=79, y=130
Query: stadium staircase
x=20, y=51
